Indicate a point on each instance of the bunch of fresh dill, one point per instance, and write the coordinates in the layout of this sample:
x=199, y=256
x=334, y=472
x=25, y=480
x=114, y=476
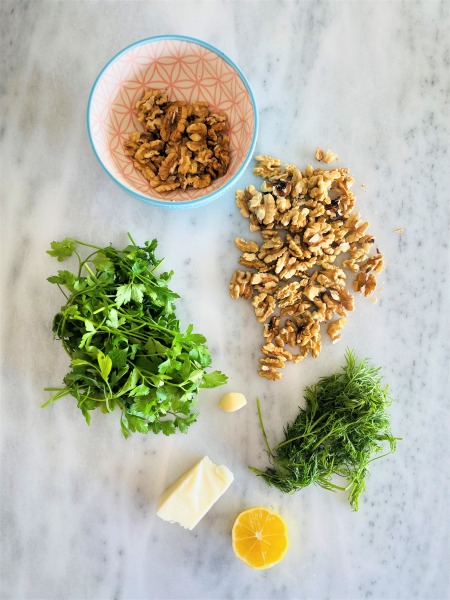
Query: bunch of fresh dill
x=340, y=432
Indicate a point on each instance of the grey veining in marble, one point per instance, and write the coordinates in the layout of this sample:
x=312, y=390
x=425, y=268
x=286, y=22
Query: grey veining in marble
x=370, y=80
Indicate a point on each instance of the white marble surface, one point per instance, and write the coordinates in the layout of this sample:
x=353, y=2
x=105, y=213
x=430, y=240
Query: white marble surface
x=369, y=80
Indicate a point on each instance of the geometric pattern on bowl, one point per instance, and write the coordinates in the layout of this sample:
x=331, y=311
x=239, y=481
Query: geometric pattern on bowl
x=189, y=70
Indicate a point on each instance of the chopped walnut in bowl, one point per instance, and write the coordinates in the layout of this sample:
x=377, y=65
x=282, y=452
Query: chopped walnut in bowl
x=183, y=145
x=295, y=278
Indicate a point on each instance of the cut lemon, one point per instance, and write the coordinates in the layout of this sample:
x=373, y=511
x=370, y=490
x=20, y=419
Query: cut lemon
x=260, y=537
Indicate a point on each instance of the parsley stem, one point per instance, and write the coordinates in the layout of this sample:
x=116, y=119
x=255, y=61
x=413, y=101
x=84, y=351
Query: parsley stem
x=87, y=267
x=87, y=259
x=130, y=238
x=78, y=256
x=88, y=245
x=63, y=292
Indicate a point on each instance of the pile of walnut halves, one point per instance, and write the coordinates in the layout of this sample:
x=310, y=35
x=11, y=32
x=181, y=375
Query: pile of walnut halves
x=184, y=145
x=306, y=222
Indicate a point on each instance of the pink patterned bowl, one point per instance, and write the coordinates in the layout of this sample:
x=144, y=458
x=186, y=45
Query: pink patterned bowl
x=190, y=70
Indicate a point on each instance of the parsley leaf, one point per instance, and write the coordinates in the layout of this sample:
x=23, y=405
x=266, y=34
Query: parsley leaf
x=103, y=263
x=61, y=250
x=214, y=379
x=131, y=291
x=105, y=364
x=64, y=278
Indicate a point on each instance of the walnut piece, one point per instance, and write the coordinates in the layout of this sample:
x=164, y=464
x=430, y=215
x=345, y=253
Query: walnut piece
x=240, y=286
x=168, y=166
x=264, y=305
x=164, y=186
x=198, y=181
x=244, y=246
x=325, y=157
x=267, y=166
x=274, y=358
x=365, y=283
x=375, y=263
x=335, y=327
x=174, y=122
x=270, y=373
x=183, y=145
x=271, y=329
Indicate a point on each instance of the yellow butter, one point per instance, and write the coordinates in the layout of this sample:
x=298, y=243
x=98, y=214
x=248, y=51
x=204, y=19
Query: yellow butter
x=232, y=401
x=191, y=496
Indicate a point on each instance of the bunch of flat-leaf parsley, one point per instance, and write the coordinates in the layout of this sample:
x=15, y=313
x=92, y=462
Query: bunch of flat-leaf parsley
x=125, y=344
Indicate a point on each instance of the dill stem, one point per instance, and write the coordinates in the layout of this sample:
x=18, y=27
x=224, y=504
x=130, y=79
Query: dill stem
x=269, y=451
x=303, y=435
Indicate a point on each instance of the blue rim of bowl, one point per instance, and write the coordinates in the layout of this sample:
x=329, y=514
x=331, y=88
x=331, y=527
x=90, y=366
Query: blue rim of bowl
x=212, y=195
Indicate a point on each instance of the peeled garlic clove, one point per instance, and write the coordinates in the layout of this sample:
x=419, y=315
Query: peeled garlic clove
x=232, y=401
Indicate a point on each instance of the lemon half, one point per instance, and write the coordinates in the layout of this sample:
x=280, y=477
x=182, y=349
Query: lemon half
x=260, y=537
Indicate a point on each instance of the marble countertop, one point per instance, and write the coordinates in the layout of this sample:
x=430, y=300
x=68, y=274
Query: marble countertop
x=370, y=80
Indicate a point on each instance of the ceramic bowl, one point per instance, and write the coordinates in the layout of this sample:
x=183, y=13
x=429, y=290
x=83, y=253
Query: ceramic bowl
x=189, y=70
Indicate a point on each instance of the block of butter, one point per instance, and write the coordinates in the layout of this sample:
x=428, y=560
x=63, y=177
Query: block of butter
x=192, y=495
